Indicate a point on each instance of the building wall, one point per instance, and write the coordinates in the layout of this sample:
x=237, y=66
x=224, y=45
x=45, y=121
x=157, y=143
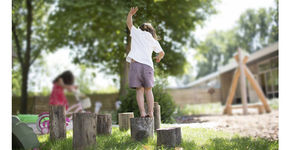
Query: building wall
x=195, y=95
x=226, y=80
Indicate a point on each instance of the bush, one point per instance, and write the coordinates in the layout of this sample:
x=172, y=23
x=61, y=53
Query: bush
x=167, y=105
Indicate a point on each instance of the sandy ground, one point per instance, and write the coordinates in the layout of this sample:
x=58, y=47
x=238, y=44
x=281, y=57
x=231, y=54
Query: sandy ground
x=255, y=125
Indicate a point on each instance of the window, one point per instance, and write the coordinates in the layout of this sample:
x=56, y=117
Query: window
x=268, y=77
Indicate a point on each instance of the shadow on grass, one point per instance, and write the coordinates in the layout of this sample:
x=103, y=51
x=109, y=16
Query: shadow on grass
x=121, y=140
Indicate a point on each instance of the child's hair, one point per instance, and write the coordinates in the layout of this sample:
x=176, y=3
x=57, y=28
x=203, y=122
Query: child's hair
x=149, y=28
x=67, y=78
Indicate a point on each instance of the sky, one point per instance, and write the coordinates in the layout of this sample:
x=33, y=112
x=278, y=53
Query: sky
x=228, y=13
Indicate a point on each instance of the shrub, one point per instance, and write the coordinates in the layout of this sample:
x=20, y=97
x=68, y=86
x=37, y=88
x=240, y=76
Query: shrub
x=167, y=105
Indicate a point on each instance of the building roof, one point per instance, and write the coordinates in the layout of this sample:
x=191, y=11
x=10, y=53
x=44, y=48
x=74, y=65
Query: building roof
x=232, y=65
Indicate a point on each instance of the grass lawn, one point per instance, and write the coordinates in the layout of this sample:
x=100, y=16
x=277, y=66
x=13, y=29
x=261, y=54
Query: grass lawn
x=192, y=139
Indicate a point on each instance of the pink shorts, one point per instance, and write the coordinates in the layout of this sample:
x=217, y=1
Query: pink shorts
x=140, y=75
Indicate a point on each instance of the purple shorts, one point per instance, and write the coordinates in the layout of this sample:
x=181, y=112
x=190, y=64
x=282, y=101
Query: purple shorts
x=140, y=75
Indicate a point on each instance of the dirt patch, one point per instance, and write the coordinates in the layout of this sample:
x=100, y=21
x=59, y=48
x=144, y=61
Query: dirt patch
x=255, y=125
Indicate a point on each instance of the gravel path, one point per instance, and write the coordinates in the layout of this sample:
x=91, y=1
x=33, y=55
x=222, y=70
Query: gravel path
x=255, y=125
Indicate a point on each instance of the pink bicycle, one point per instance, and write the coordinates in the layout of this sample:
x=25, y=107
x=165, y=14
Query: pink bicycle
x=42, y=122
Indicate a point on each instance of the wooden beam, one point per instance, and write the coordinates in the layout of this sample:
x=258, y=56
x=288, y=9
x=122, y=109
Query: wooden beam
x=257, y=88
x=244, y=60
x=243, y=84
x=232, y=91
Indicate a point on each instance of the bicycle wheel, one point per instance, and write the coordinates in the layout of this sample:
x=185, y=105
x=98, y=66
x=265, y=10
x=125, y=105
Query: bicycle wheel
x=42, y=123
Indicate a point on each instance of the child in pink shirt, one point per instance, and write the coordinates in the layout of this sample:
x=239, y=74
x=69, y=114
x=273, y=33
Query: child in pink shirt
x=60, y=83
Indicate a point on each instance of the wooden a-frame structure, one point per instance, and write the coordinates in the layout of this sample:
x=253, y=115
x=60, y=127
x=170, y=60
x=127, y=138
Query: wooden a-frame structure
x=242, y=71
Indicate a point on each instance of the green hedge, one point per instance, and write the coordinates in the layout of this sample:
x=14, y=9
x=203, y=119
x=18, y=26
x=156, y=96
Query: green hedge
x=167, y=105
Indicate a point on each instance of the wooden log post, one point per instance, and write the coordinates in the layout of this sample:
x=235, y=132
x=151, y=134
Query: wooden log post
x=141, y=128
x=104, y=124
x=232, y=91
x=124, y=120
x=243, y=83
x=57, y=124
x=169, y=137
x=257, y=88
x=84, y=130
x=157, y=116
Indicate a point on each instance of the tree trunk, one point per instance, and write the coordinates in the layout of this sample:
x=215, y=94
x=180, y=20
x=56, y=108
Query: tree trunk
x=24, y=94
x=84, y=130
x=57, y=124
x=125, y=67
x=141, y=128
x=104, y=124
x=157, y=116
x=169, y=137
x=124, y=120
x=26, y=62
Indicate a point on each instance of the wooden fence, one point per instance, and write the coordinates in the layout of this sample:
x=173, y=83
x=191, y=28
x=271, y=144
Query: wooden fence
x=39, y=104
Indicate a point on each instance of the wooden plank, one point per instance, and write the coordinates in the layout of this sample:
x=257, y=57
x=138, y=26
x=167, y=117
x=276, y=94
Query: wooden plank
x=232, y=91
x=257, y=88
x=243, y=84
x=249, y=106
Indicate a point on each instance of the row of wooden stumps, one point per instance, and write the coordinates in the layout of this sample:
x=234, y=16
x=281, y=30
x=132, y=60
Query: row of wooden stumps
x=86, y=126
x=143, y=128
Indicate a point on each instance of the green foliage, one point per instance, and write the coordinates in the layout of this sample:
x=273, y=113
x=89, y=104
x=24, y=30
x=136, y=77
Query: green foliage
x=274, y=103
x=97, y=32
x=129, y=103
x=255, y=29
x=16, y=80
x=192, y=138
x=28, y=37
x=200, y=109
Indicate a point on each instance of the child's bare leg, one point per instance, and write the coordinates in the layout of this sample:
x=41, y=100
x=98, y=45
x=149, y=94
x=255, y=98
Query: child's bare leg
x=149, y=100
x=140, y=100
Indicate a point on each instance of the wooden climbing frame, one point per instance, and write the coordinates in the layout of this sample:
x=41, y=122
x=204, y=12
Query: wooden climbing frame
x=243, y=72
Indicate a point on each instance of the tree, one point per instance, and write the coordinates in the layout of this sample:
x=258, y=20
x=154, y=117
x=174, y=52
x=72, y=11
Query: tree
x=28, y=37
x=98, y=35
x=255, y=29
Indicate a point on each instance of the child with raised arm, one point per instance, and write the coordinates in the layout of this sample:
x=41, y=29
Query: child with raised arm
x=141, y=74
x=64, y=81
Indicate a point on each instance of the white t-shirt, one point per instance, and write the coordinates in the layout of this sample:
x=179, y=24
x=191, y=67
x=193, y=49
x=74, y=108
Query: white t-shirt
x=142, y=46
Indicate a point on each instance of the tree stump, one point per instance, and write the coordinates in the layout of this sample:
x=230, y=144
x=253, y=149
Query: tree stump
x=169, y=137
x=157, y=116
x=84, y=130
x=104, y=124
x=57, y=124
x=141, y=128
x=124, y=120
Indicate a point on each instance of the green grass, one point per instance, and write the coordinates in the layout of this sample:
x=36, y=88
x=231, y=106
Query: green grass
x=196, y=109
x=28, y=118
x=192, y=138
x=274, y=103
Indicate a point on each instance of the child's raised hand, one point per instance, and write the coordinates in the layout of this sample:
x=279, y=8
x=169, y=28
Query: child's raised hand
x=133, y=10
x=157, y=59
